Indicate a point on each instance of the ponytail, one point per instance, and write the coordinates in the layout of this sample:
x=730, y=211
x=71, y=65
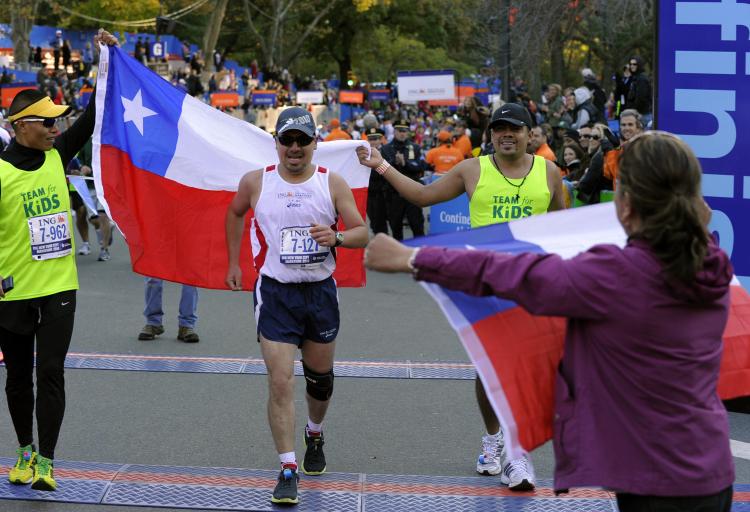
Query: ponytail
x=662, y=176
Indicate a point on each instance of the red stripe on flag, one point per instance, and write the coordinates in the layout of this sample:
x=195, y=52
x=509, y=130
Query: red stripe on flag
x=177, y=233
x=734, y=376
x=525, y=351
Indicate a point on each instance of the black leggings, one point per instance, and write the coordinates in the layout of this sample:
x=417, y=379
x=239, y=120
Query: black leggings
x=719, y=502
x=52, y=327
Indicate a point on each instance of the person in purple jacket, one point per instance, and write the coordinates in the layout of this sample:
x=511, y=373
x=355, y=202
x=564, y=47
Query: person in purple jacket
x=636, y=406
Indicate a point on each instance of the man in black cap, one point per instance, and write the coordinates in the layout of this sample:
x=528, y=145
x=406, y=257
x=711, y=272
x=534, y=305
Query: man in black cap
x=296, y=206
x=379, y=192
x=36, y=250
x=506, y=185
x=405, y=157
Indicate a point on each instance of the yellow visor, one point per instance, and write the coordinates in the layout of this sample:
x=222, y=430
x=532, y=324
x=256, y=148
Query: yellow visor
x=44, y=108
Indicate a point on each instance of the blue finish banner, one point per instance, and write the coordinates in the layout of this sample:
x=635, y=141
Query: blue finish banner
x=703, y=81
x=379, y=94
x=264, y=98
x=451, y=215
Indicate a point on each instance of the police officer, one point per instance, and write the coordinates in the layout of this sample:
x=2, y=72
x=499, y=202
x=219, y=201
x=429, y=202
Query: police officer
x=37, y=250
x=379, y=191
x=405, y=157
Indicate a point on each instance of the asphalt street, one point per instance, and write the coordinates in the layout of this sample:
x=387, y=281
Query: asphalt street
x=425, y=427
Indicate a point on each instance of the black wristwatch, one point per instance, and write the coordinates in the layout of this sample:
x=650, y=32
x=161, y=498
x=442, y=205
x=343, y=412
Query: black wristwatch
x=339, y=238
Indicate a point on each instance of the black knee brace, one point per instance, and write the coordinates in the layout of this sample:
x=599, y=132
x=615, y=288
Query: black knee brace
x=319, y=385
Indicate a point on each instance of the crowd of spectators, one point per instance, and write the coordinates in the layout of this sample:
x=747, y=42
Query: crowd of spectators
x=573, y=123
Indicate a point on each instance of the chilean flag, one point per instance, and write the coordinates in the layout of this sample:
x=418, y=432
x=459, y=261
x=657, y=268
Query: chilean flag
x=166, y=166
x=516, y=354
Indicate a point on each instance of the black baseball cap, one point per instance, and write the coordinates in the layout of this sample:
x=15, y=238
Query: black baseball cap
x=374, y=132
x=573, y=134
x=295, y=118
x=511, y=113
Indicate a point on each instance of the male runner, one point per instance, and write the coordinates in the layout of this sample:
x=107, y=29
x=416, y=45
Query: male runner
x=507, y=185
x=296, y=206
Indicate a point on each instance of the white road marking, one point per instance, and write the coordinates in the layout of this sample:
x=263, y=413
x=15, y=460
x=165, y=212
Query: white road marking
x=740, y=449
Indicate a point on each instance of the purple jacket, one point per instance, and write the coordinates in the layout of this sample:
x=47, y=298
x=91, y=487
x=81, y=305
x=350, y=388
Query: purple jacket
x=636, y=407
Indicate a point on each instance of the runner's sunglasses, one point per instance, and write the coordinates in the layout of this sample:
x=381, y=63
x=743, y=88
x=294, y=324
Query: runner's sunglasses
x=302, y=140
x=48, y=122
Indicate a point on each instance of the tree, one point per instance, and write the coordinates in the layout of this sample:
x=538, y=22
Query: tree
x=213, y=28
x=552, y=40
x=81, y=14
x=384, y=52
x=270, y=24
x=22, y=15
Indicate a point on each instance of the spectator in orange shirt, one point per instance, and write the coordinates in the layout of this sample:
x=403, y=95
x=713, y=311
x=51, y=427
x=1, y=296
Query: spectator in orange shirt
x=336, y=133
x=538, y=144
x=445, y=156
x=462, y=141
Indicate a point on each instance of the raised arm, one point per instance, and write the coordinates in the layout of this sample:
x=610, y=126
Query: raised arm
x=541, y=284
x=70, y=142
x=449, y=186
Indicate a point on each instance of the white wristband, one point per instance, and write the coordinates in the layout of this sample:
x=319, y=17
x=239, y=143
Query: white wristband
x=412, y=258
x=382, y=167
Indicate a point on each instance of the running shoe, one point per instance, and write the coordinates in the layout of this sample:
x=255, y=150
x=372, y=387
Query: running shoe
x=149, y=332
x=286, y=488
x=85, y=249
x=44, y=479
x=490, y=461
x=314, y=462
x=517, y=475
x=104, y=255
x=23, y=471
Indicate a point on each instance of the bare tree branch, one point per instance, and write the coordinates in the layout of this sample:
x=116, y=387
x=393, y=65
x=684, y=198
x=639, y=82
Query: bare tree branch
x=310, y=27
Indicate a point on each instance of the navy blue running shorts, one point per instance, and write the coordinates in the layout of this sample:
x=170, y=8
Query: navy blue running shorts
x=295, y=312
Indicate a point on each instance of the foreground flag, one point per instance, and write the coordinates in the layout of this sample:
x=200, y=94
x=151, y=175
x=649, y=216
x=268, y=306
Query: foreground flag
x=516, y=354
x=167, y=165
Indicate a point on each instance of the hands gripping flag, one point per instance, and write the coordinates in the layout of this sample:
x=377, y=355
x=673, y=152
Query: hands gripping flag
x=167, y=165
x=516, y=354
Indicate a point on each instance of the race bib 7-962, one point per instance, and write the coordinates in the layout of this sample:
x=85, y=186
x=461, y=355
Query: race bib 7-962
x=50, y=236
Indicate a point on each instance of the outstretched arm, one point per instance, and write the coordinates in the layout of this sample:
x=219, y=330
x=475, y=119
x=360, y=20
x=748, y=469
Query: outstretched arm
x=543, y=284
x=446, y=188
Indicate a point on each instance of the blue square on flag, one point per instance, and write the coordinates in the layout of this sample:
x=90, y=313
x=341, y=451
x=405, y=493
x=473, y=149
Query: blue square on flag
x=149, y=107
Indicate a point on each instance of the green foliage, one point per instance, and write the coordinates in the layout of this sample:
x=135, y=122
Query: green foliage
x=379, y=55
x=114, y=10
x=551, y=39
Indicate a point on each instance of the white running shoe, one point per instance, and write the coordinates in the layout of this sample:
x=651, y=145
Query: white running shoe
x=517, y=475
x=490, y=460
x=85, y=249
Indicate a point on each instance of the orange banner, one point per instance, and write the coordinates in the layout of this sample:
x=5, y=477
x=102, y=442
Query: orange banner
x=8, y=92
x=351, y=97
x=225, y=99
x=462, y=91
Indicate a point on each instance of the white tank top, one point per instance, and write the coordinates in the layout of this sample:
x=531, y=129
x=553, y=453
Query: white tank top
x=282, y=246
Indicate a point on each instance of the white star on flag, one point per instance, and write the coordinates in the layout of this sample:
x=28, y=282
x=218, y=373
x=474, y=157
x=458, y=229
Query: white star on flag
x=135, y=111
